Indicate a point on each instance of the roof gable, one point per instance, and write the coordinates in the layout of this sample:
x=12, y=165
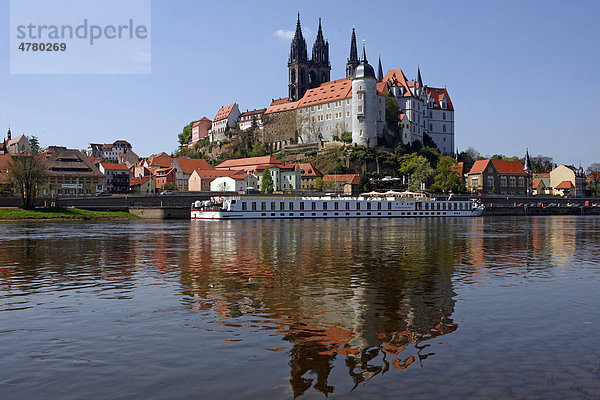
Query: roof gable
x=248, y=162
x=224, y=112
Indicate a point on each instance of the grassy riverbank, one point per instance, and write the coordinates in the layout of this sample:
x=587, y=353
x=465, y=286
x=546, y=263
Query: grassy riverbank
x=63, y=213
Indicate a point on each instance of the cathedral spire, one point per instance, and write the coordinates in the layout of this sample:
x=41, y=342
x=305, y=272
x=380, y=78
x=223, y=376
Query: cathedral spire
x=353, y=60
x=298, y=47
x=9, y=134
x=364, y=57
x=379, y=70
x=320, y=54
x=419, y=80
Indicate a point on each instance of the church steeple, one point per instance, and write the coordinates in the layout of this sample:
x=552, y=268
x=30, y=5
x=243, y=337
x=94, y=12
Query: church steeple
x=9, y=134
x=379, y=70
x=419, y=80
x=320, y=53
x=527, y=163
x=353, y=60
x=298, y=48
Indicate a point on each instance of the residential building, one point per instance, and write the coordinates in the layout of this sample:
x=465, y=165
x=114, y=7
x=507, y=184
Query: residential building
x=200, y=129
x=185, y=167
x=200, y=179
x=129, y=158
x=164, y=176
x=116, y=177
x=284, y=176
x=143, y=186
x=250, y=119
x=70, y=173
x=159, y=161
x=308, y=176
x=540, y=183
x=343, y=183
x=498, y=177
x=226, y=118
x=237, y=182
x=108, y=152
x=566, y=180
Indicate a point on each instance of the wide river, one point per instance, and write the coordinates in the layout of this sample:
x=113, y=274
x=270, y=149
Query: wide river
x=376, y=309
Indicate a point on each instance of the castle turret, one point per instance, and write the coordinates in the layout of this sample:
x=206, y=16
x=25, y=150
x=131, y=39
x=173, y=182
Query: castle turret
x=364, y=95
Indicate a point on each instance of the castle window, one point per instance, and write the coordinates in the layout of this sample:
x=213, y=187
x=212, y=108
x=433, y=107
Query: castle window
x=444, y=127
x=338, y=103
x=360, y=108
x=360, y=96
x=319, y=107
x=348, y=114
x=328, y=105
x=348, y=102
x=443, y=115
x=430, y=127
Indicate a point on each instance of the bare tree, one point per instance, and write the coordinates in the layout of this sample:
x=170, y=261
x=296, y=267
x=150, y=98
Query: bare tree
x=27, y=174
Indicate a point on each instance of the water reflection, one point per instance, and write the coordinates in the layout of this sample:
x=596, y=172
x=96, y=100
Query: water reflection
x=364, y=290
x=363, y=296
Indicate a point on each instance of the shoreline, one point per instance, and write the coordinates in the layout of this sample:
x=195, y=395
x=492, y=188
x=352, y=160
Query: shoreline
x=62, y=214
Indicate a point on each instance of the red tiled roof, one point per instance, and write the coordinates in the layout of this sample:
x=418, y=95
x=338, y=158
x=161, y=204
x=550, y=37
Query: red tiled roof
x=114, y=166
x=396, y=78
x=308, y=169
x=248, y=162
x=353, y=179
x=502, y=167
x=160, y=161
x=188, y=165
x=537, y=182
x=565, y=185
x=224, y=112
x=4, y=160
x=436, y=95
x=203, y=119
x=327, y=92
x=253, y=112
x=280, y=101
x=274, y=108
x=138, y=181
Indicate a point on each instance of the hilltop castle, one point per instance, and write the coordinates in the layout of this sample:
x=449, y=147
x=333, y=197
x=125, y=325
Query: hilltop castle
x=318, y=109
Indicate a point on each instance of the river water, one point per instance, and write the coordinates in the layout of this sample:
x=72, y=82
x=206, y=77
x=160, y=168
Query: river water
x=377, y=309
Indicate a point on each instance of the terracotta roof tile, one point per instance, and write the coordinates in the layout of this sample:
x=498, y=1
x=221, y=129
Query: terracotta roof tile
x=436, y=95
x=224, y=112
x=274, y=108
x=396, y=78
x=353, y=179
x=308, y=169
x=248, y=162
x=565, y=185
x=327, y=92
x=188, y=165
x=502, y=166
x=115, y=166
x=280, y=101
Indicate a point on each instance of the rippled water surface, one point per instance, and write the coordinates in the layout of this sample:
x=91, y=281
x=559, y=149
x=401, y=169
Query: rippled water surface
x=447, y=308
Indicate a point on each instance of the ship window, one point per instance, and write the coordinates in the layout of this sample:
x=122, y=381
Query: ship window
x=347, y=205
x=244, y=206
x=379, y=206
x=291, y=206
x=263, y=205
x=272, y=214
x=263, y=214
x=253, y=206
x=336, y=206
x=426, y=206
x=358, y=205
x=282, y=205
x=302, y=206
x=272, y=205
x=368, y=206
x=313, y=206
x=324, y=205
x=390, y=205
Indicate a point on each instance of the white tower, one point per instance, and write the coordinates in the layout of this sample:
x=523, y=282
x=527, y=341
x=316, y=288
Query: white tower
x=364, y=107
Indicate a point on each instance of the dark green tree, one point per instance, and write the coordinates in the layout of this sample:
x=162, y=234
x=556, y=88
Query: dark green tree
x=186, y=134
x=27, y=174
x=447, y=178
x=417, y=168
x=266, y=184
x=392, y=110
x=346, y=137
x=34, y=144
x=319, y=184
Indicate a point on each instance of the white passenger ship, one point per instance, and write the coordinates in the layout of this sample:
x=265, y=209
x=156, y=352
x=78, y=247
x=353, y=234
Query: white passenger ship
x=367, y=205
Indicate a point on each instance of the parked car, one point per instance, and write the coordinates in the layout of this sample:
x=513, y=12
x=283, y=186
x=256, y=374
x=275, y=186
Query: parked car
x=166, y=192
x=104, y=194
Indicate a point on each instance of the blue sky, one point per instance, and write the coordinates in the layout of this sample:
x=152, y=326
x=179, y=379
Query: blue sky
x=520, y=74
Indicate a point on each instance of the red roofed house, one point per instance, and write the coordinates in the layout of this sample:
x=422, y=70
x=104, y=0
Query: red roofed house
x=308, y=176
x=200, y=179
x=184, y=167
x=285, y=176
x=5, y=184
x=200, y=129
x=566, y=180
x=116, y=177
x=226, y=118
x=540, y=183
x=497, y=177
x=144, y=185
x=345, y=183
x=163, y=176
x=238, y=181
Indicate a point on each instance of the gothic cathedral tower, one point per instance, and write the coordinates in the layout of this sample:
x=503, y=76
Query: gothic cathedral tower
x=306, y=74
